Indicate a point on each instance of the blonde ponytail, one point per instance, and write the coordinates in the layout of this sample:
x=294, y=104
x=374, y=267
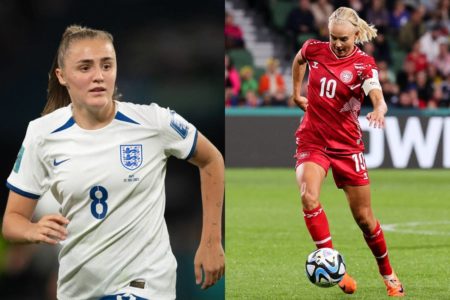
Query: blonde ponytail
x=342, y=14
x=366, y=32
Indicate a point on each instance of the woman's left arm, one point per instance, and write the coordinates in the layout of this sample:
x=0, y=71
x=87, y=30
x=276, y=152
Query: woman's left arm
x=210, y=255
x=376, y=117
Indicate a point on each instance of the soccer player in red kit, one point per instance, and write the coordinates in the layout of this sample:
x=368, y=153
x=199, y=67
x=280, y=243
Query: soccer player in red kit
x=340, y=74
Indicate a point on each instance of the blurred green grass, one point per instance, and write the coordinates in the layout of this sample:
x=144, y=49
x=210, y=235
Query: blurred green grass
x=267, y=241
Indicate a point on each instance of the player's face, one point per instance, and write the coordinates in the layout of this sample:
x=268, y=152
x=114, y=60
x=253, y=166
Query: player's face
x=89, y=72
x=342, y=38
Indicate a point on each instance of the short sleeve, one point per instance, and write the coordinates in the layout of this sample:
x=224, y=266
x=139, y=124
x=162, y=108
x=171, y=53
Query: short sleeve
x=179, y=137
x=370, y=70
x=29, y=177
x=304, y=50
x=369, y=76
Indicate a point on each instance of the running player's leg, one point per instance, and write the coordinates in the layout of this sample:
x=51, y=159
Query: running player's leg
x=310, y=176
x=312, y=167
x=360, y=205
x=348, y=170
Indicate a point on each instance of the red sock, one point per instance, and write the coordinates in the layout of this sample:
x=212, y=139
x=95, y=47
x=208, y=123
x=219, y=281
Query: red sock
x=377, y=244
x=317, y=224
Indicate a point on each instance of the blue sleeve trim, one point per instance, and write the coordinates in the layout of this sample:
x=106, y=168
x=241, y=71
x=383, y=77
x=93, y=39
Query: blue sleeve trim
x=116, y=296
x=23, y=193
x=66, y=125
x=194, y=145
x=121, y=117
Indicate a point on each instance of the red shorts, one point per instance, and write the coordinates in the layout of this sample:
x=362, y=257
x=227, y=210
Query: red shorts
x=349, y=168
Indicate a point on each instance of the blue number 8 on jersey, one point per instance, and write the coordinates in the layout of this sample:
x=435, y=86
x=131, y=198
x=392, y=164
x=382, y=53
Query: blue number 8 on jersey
x=99, y=195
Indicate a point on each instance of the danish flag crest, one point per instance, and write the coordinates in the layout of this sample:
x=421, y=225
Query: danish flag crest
x=346, y=76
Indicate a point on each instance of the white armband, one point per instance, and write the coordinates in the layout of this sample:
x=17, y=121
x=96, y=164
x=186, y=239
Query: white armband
x=371, y=83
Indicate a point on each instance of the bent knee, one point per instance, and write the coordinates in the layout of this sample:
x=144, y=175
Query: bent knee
x=310, y=199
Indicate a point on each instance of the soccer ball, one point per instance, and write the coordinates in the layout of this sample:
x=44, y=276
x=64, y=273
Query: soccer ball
x=325, y=267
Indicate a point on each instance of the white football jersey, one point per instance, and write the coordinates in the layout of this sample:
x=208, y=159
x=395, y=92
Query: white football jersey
x=110, y=185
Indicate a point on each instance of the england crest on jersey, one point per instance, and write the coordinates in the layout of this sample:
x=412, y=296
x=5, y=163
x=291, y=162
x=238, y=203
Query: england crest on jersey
x=131, y=156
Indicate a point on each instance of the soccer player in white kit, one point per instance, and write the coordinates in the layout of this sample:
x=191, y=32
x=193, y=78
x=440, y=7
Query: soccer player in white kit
x=105, y=163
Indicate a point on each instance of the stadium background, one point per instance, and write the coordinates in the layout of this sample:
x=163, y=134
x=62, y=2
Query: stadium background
x=169, y=52
x=266, y=237
x=411, y=51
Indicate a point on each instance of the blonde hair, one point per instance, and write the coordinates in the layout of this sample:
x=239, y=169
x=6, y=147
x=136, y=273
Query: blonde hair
x=366, y=32
x=246, y=69
x=57, y=95
x=272, y=61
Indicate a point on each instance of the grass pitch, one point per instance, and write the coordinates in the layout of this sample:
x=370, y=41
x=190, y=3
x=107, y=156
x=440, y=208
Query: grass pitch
x=267, y=241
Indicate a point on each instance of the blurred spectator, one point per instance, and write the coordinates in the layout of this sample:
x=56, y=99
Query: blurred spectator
x=232, y=83
x=321, y=10
x=300, y=21
x=412, y=30
x=429, y=5
x=398, y=17
x=384, y=70
x=433, y=74
x=442, y=11
x=252, y=99
x=435, y=18
x=249, y=87
x=390, y=88
x=442, y=61
x=377, y=14
x=417, y=57
x=382, y=49
x=263, y=7
x=358, y=6
x=422, y=82
x=442, y=93
x=271, y=85
x=233, y=33
x=369, y=48
x=406, y=76
x=229, y=98
x=429, y=42
x=408, y=99
x=424, y=90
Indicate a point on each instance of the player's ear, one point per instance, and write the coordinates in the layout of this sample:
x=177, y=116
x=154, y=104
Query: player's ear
x=60, y=76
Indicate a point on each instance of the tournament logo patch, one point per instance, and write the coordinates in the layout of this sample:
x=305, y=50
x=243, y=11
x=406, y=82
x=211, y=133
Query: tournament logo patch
x=131, y=156
x=346, y=76
x=19, y=159
x=179, y=124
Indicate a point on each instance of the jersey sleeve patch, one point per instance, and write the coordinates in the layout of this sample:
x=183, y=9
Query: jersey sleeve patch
x=19, y=159
x=179, y=124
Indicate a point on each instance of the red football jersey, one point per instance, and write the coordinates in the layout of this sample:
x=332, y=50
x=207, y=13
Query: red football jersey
x=334, y=96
